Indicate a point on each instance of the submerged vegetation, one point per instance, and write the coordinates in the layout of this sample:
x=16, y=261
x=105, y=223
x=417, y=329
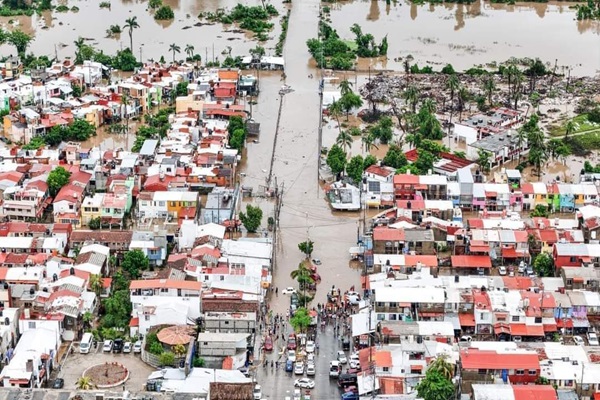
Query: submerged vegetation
x=250, y=18
x=330, y=51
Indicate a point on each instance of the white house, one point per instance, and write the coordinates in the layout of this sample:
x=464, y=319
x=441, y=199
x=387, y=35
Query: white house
x=189, y=231
x=166, y=204
x=30, y=362
x=148, y=296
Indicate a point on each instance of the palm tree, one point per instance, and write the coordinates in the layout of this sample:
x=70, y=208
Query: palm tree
x=303, y=276
x=335, y=110
x=569, y=129
x=345, y=87
x=189, y=50
x=453, y=84
x=344, y=140
x=488, y=87
x=175, y=49
x=85, y=383
x=429, y=106
x=131, y=24
x=463, y=96
x=368, y=141
x=521, y=139
x=95, y=284
x=411, y=96
x=443, y=367
x=124, y=106
x=78, y=45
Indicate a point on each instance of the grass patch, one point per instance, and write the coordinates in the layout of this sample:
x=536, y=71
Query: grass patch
x=582, y=145
x=581, y=125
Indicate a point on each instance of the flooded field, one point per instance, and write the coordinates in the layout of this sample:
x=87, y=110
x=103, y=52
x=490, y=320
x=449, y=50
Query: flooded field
x=467, y=35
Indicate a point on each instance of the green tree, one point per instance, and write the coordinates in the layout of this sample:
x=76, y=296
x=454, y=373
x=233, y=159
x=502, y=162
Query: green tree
x=394, y=158
x=383, y=131
x=569, y=129
x=442, y=366
x=336, y=159
x=251, y=218
x=453, y=86
x=483, y=160
x=435, y=386
x=368, y=141
x=78, y=45
x=20, y=40
x=355, y=169
x=540, y=210
x=370, y=160
x=489, y=86
x=167, y=359
x=544, y=265
x=36, y=142
x=130, y=25
x=179, y=350
x=306, y=247
x=154, y=4
x=349, y=101
x=345, y=87
x=238, y=139
x=134, y=262
x=174, y=48
x=57, y=178
x=117, y=309
x=301, y=320
x=95, y=284
x=411, y=96
x=164, y=13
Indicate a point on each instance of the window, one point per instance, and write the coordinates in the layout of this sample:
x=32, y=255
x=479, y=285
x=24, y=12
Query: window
x=482, y=371
x=226, y=322
x=222, y=277
x=568, y=382
x=569, y=282
x=532, y=372
x=573, y=259
x=392, y=317
x=519, y=372
x=515, y=318
x=164, y=290
x=31, y=324
x=386, y=369
x=147, y=317
x=393, y=305
x=538, y=320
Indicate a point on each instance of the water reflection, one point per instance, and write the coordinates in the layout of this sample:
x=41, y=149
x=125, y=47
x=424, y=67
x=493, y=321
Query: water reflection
x=373, y=11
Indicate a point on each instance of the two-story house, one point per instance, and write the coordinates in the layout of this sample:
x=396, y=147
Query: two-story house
x=26, y=202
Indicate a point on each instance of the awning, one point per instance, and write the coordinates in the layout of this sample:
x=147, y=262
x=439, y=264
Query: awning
x=510, y=252
x=550, y=328
x=526, y=330
x=416, y=368
x=586, y=259
x=581, y=323
x=404, y=304
x=430, y=314
x=479, y=249
x=564, y=322
x=466, y=319
x=501, y=328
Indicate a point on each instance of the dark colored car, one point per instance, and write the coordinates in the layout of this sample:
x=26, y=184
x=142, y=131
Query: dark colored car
x=117, y=346
x=268, y=343
x=58, y=383
x=289, y=366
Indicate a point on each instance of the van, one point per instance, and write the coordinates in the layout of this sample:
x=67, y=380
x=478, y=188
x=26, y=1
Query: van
x=86, y=343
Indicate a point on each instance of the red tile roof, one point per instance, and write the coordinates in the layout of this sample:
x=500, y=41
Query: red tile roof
x=70, y=193
x=377, y=170
x=165, y=283
x=535, y=392
x=388, y=234
x=488, y=359
x=471, y=262
x=526, y=330
x=406, y=179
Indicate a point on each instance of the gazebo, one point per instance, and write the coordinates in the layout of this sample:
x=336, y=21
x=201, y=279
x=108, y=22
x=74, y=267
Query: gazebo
x=177, y=334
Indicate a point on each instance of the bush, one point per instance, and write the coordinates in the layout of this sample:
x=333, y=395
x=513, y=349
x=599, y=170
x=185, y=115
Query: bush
x=167, y=359
x=164, y=13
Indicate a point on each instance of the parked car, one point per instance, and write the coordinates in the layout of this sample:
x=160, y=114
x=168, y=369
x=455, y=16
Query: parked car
x=58, y=383
x=257, y=392
x=117, y=346
x=305, y=383
x=334, y=369
x=355, y=364
x=137, y=347
x=350, y=396
x=299, y=368
x=127, y=347
x=310, y=346
x=288, y=290
x=311, y=370
x=316, y=261
x=107, y=346
x=578, y=340
x=502, y=270
x=310, y=358
x=289, y=365
x=268, y=343
x=291, y=343
x=341, y=356
x=592, y=339
x=522, y=267
x=291, y=356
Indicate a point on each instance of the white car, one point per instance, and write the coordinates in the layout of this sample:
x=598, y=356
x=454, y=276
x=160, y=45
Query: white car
x=522, y=267
x=107, y=346
x=137, y=347
x=305, y=383
x=502, y=270
x=288, y=290
x=592, y=339
x=354, y=364
x=291, y=355
x=127, y=347
x=310, y=358
x=257, y=392
x=299, y=368
x=578, y=340
x=316, y=261
x=310, y=370
x=341, y=356
x=310, y=346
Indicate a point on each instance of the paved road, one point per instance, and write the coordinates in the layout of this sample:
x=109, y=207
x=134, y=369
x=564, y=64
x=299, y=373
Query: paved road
x=277, y=384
